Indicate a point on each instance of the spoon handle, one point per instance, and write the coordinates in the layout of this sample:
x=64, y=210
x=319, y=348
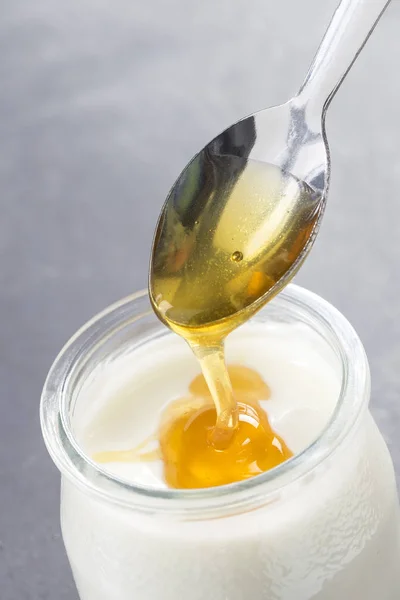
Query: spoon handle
x=348, y=31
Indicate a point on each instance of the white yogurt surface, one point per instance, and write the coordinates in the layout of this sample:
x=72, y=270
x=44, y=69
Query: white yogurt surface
x=125, y=399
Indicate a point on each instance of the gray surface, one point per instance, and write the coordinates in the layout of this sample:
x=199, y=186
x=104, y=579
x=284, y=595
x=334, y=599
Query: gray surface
x=101, y=104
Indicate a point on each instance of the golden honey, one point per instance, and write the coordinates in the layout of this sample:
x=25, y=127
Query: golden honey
x=190, y=459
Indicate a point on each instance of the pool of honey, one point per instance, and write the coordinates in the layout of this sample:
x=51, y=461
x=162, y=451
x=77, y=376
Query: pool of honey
x=190, y=460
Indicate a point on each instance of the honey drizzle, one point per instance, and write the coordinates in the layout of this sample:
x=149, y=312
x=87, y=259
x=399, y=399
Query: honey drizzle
x=233, y=228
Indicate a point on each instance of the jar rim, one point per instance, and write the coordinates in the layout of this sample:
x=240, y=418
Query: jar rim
x=73, y=463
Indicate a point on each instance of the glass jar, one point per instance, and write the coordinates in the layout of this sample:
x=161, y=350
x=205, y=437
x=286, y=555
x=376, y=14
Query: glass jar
x=323, y=526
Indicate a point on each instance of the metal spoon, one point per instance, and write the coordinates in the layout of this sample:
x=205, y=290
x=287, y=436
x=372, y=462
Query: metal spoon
x=274, y=225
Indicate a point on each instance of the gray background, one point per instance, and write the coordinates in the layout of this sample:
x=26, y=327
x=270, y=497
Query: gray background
x=101, y=104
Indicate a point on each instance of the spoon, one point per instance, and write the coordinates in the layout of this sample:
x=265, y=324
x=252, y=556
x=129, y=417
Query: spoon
x=244, y=213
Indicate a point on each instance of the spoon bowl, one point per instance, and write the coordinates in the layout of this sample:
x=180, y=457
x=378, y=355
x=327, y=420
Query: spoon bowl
x=239, y=220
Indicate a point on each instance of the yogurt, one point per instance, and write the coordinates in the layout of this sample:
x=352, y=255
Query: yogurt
x=122, y=404
x=322, y=526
